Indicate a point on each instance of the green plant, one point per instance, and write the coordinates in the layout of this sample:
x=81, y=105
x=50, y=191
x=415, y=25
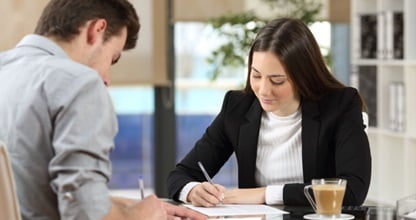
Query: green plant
x=240, y=30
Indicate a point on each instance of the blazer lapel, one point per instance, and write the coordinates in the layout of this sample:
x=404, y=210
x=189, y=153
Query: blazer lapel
x=247, y=140
x=310, y=138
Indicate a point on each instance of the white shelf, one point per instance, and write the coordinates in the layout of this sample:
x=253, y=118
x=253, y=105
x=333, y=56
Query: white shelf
x=383, y=62
x=393, y=152
x=391, y=134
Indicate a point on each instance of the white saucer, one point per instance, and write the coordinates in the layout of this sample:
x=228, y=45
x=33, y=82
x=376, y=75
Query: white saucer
x=316, y=216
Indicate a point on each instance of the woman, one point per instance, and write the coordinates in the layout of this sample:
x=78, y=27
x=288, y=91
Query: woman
x=293, y=122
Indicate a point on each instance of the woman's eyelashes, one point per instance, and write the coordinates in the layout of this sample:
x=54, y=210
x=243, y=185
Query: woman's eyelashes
x=277, y=80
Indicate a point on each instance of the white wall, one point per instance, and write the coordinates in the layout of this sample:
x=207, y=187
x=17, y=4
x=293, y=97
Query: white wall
x=263, y=10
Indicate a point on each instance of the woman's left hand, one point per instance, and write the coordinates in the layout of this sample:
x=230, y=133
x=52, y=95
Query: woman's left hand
x=245, y=196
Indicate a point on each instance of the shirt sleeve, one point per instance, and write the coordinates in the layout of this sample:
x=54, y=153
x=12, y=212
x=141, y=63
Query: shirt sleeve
x=90, y=200
x=84, y=129
x=274, y=195
x=185, y=191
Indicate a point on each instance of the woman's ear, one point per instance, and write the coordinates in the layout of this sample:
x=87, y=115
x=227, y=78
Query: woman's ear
x=96, y=30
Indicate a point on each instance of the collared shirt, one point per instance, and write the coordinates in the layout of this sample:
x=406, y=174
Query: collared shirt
x=58, y=122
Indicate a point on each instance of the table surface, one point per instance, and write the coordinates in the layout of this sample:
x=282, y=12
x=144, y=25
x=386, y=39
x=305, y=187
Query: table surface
x=360, y=213
x=366, y=212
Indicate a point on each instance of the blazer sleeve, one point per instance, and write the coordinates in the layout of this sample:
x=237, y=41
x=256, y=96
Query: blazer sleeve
x=213, y=150
x=343, y=149
x=352, y=150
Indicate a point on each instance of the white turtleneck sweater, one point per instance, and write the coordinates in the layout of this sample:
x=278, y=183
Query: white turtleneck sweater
x=279, y=154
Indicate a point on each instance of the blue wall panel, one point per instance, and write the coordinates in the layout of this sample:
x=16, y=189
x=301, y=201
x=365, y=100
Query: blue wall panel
x=133, y=154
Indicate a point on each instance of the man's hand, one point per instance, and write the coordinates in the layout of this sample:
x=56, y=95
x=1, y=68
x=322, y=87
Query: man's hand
x=150, y=208
x=174, y=212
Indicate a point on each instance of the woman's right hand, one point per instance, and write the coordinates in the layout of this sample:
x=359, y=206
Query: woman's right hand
x=206, y=194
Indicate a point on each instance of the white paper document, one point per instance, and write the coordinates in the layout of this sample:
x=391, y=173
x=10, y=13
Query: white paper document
x=235, y=210
x=411, y=215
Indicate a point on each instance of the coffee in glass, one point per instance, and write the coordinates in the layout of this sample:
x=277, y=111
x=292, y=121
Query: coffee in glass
x=328, y=194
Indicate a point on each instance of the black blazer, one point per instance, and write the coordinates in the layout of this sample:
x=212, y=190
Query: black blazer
x=334, y=144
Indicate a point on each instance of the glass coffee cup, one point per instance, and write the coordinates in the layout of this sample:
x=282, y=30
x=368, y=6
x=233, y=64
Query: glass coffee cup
x=328, y=196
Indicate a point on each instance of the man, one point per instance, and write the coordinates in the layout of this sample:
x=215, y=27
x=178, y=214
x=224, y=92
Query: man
x=57, y=118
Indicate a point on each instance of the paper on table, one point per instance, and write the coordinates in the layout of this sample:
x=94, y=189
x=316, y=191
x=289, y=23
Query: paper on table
x=239, y=218
x=411, y=215
x=232, y=210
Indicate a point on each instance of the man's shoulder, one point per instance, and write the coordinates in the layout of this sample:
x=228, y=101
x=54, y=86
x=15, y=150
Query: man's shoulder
x=68, y=67
x=47, y=57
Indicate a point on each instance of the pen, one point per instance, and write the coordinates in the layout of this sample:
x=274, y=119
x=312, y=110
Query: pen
x=208, y=178
x=141, y=187
x=205, y=173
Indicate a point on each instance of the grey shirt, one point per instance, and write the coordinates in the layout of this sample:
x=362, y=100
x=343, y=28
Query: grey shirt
x=58, y=122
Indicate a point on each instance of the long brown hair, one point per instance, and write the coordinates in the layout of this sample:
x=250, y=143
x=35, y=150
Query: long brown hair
x=296, y=48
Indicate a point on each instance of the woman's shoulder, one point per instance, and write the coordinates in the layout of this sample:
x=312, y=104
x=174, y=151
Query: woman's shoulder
x=238, y=99
x=239, y=96
x=341, y=94
x=341, y=98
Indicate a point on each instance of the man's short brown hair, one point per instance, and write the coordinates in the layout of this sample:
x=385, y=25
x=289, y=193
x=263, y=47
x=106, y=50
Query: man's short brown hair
x=64, y=18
